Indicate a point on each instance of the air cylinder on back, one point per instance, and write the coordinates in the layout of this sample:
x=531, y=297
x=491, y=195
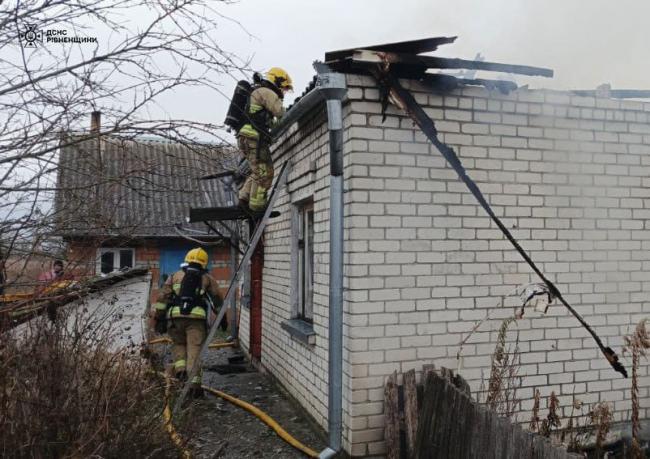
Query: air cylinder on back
x=236, y=116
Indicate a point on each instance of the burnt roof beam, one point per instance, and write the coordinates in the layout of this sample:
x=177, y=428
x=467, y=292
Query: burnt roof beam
x=366, y=56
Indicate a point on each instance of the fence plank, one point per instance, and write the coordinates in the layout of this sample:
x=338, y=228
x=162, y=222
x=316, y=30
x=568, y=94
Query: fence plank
x=476, y=450
x=449, y=424
x=410, y=411
x=490, y=430
x=501, y=433
x=426, y=369
x=391, y=413
x=445, y=412
x=466, y=423
x=514, y=442
x=433, y=396
x=527, y=446
x=453, y=440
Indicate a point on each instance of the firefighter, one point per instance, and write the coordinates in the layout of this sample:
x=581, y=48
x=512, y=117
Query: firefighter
x=254, y=139
x=182, y=311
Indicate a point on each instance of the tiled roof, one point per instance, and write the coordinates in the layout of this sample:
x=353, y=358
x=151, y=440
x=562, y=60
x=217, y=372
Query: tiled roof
x=136, y=188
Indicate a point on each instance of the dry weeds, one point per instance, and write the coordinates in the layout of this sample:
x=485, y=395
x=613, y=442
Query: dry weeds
x=64, y=392
x=637, y=344
x=601, y=417
x=504, y=375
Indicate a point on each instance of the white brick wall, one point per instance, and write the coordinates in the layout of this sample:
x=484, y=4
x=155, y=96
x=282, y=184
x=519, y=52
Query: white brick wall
x=428, y=263
x=423, y=263
x=301, y=368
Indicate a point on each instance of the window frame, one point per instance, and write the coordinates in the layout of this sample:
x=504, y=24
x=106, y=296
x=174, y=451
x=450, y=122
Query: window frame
x=303, y=279
x=117, y=258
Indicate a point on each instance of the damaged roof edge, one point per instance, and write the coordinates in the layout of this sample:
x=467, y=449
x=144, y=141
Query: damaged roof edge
x=304, y=105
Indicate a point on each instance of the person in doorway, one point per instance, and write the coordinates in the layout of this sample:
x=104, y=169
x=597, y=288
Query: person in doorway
x=184, y=303
x=254, y=138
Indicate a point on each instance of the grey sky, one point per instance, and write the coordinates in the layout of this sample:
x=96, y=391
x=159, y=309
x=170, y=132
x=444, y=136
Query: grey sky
x=586, y=42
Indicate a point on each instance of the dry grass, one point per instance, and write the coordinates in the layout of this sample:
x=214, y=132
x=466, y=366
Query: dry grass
x=552, y=420
x=533, y=426
x=572, y=435
x=66, y=393
x=600, y=418
x=504, y=375
x=637, y=344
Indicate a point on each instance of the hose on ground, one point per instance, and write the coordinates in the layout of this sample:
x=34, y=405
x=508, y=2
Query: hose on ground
x=266, y=419
x=167, y=416
x=165, y=340
x=261, y=415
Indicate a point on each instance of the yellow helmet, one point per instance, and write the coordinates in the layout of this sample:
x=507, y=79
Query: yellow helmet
x=279, y=77
x=197, y=255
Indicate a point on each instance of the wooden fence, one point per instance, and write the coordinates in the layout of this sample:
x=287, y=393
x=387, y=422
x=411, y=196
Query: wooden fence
x=438, y=419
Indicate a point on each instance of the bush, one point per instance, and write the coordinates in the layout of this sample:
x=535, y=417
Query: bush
x=66, y=392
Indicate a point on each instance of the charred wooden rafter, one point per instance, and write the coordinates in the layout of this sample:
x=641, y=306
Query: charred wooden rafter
x=367, y=56
x=445, y=83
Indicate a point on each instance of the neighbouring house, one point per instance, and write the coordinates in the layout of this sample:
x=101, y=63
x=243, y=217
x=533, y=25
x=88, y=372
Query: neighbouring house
x=569, y=176
x=119, y=200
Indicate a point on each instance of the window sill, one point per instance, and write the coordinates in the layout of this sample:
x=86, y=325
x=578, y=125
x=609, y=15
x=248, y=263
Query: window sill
x=300, y=331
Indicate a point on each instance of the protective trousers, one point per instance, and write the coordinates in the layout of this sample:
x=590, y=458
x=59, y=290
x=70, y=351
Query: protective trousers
x=187, y=337
x=256, y=186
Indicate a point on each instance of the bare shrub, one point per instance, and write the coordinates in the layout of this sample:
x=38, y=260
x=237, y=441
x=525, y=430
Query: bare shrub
x=65, y=392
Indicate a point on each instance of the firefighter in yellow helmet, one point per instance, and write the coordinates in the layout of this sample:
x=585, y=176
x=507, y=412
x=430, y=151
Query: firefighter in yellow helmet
x=264, y=109
x=182, y=304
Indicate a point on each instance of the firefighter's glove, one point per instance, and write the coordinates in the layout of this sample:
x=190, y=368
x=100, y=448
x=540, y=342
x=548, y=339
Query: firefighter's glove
x=161, y=326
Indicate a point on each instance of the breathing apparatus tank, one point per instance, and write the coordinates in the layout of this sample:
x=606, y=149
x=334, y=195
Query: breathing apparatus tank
x=237, y=114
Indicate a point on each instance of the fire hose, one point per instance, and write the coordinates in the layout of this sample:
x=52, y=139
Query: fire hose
x=165, y=340
x=261, y=415
x=391, y=88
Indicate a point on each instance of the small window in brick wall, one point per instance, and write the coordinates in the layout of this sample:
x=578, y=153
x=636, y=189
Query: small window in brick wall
x=114, y=259
x=305, y=271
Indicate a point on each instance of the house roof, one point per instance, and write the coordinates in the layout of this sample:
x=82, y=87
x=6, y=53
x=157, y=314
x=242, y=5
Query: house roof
x=134, y=187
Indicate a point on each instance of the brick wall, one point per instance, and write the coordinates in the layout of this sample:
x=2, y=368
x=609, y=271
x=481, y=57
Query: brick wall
x=301, y=368
x=423, y=263
x=569, y=176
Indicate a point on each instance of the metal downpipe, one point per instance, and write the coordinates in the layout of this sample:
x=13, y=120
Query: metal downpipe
x=333, y=88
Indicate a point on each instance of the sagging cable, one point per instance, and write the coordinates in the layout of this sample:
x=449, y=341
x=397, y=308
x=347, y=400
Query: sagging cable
x=391, y=89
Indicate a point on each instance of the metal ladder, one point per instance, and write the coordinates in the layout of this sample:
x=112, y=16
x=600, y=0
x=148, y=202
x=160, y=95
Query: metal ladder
x=232, y=288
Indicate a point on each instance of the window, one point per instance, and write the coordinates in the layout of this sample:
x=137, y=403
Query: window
x=111, y=260
x=305, y=290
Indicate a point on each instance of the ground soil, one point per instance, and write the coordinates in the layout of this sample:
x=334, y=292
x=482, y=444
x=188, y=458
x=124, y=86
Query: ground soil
x=223, y=430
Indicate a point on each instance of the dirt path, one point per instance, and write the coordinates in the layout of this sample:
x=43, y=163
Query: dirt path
x=229, y=432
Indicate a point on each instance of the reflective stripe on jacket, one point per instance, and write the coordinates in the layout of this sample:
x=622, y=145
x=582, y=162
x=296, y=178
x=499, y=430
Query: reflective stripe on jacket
x=172, y=287
x=262, y=99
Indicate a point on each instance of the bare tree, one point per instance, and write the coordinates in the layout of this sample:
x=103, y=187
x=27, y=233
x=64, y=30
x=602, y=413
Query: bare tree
x=61, y=60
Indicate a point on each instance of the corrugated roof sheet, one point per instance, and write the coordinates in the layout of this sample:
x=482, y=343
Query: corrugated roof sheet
x=137, y=188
